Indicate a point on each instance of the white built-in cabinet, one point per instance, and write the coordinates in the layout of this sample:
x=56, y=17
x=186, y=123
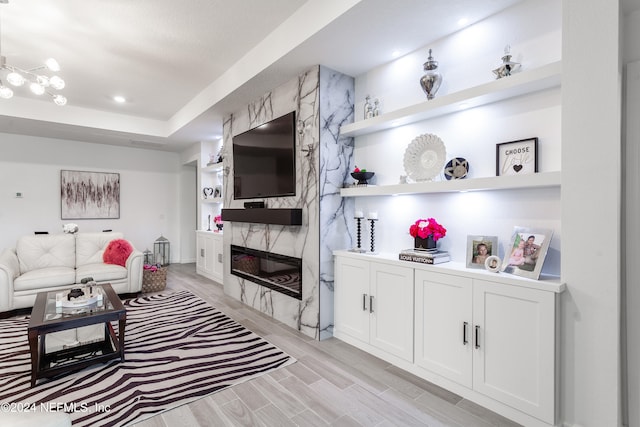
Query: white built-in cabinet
x=493, y=338
x=209, y=255
x=376, y=307
x=490, y=337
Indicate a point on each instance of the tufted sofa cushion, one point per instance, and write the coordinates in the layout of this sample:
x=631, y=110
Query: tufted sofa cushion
x=52, y=276
x=44, y=251
x=90, y=247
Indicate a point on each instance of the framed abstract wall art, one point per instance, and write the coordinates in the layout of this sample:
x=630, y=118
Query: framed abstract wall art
x=89, y=195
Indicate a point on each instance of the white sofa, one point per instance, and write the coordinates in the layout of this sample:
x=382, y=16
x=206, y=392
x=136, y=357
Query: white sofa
x=57, y=261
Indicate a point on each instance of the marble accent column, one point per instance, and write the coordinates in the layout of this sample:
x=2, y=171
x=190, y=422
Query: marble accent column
x=336, y=157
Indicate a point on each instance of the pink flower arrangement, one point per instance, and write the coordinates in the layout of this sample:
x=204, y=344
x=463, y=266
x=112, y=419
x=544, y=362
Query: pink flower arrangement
x=217, y=219
x=424, y=228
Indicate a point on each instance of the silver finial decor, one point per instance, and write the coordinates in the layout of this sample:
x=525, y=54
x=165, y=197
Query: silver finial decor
x=368, y=108
x=431, y=80
x=507, y=66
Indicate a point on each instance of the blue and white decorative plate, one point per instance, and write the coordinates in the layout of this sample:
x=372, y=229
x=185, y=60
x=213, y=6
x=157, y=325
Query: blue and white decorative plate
x=456, y=168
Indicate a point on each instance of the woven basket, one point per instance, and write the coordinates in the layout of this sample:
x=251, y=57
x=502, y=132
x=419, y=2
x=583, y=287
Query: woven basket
x=154, y=281
x=247, y=264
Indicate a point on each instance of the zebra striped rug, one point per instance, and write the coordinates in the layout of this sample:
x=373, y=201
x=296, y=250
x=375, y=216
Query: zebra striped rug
x=178, y=349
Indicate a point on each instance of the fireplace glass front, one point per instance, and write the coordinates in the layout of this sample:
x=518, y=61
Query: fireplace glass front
x=281, y=273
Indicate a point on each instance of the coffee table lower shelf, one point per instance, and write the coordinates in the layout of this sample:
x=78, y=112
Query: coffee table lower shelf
x=49, y=365
x=68, y=360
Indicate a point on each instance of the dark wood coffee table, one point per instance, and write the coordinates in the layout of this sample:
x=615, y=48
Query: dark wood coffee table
x=47, y=318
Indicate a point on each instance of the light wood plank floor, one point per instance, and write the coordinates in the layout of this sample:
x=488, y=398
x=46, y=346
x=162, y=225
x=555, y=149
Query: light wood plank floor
x=332, y=383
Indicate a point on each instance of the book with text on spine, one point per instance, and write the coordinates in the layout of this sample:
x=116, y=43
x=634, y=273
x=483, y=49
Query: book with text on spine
x=424, y=257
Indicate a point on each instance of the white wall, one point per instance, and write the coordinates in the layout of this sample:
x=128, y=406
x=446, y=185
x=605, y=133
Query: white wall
x=187, y=203
x=591, y=147
x=31, y=165
x=631, y=224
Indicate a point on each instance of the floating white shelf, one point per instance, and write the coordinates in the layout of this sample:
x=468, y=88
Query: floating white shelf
x=538, y=79
x=214, y=200
x=213, y=168
x=508, y=182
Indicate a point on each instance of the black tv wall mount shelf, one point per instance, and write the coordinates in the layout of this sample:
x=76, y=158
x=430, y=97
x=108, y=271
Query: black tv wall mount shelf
x=279, y=216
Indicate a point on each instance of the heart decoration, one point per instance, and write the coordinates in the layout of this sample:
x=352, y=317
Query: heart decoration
x=207, y=191
x=517, y=168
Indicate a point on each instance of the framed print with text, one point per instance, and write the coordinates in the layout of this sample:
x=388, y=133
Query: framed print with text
x=517, y=157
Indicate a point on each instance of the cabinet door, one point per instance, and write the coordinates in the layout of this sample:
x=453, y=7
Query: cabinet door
x=351, y=298
x=515, y=361
x=200, y=252
x=204, y=244
x=391, y=309
x=443, y=308
x=217, y=266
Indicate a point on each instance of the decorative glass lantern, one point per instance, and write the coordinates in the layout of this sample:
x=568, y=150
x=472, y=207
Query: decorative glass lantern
x=148, y=257
x=162, y=251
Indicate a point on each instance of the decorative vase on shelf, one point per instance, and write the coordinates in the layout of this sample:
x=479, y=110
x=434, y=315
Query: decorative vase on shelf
x=508, y=66
x=427, y=245
x=432, y=79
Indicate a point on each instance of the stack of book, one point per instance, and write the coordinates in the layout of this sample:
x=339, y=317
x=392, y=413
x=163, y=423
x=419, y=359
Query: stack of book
x=424, y=257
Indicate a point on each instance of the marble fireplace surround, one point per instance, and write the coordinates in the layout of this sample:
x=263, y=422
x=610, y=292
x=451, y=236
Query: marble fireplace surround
x=323, y=101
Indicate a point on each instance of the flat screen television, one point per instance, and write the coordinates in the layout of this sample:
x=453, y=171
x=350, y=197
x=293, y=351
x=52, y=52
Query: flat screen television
x=264, y=161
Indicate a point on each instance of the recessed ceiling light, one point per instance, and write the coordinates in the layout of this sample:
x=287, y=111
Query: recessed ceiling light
x=120, y=99
x=463, y=21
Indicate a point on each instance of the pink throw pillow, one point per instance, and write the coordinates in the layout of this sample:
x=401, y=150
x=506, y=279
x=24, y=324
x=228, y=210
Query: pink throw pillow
x=117, y=252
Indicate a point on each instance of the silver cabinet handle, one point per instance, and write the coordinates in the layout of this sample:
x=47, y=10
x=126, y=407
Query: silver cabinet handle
x=477, y=336
x=201, y=252
x=220, y=258
x=371, y=304
x=364, y=302
x=464, y=333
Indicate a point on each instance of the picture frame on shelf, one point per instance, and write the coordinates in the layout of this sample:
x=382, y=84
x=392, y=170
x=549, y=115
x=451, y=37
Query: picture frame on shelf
x=526, y=253
x=479, y=248
x=493, y=264
x=517, y=157
x=217, y=191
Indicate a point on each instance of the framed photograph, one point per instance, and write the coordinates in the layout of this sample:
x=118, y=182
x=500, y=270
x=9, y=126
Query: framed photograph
x=479, y=248
x=89, y=195
x=217, y=191
x=525, y=255
x=517, y=157
x=493, y=263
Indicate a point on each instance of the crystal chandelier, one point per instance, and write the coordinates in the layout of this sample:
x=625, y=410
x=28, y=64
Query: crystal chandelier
x=39, y=79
